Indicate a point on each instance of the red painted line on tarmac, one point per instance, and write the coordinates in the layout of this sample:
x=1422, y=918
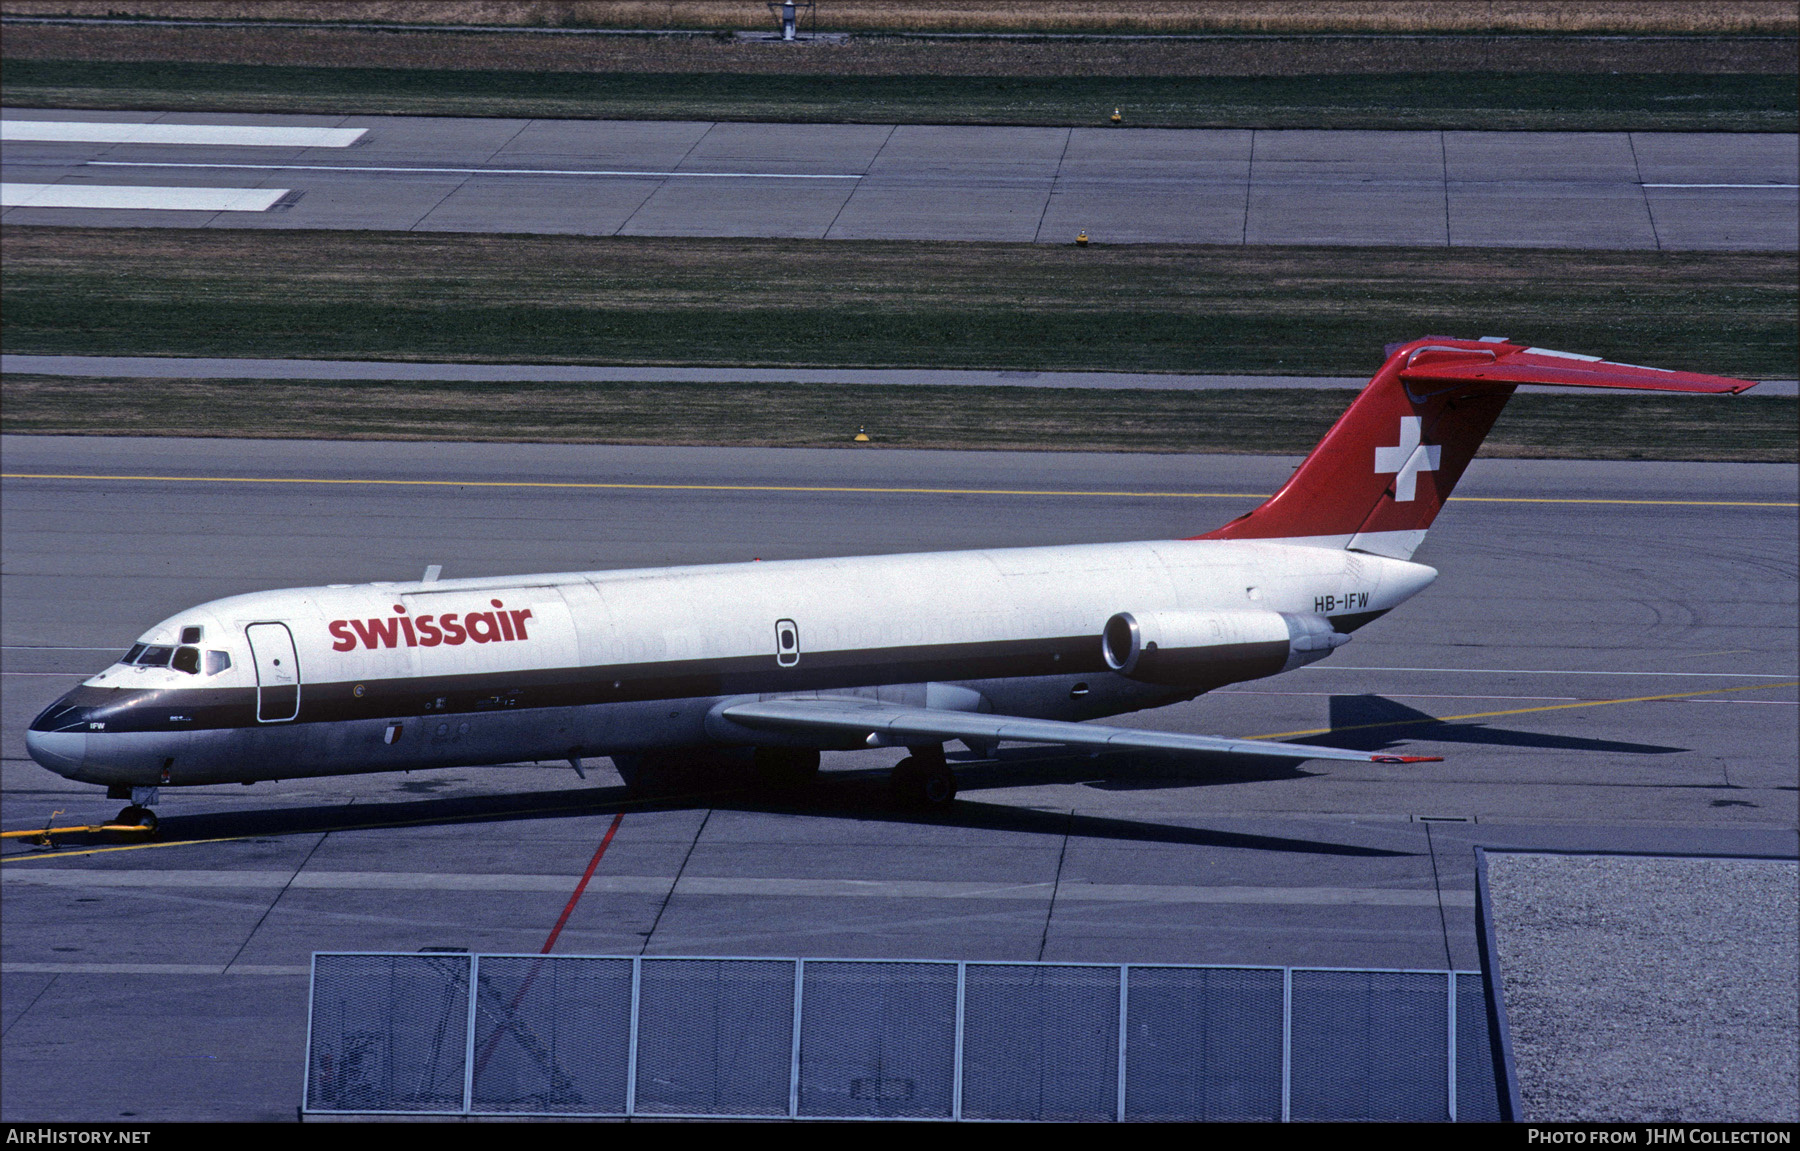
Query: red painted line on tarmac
x=537, y=966
x=582, y=886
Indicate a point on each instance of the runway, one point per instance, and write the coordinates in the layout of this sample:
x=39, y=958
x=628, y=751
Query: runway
x=1668, y=191
x=1611, y=647
x=214, y=368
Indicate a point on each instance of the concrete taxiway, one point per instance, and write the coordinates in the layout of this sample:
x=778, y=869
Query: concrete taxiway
x=1610, y=649
x=1644, y=190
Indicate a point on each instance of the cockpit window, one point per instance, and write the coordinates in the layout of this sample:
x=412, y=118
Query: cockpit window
x=131, y=656
x=217, y=661
x=186, y=659
x=155, y=657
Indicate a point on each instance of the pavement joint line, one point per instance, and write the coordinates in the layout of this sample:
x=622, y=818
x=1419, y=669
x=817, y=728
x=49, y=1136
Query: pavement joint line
x=477, y=171
x=823, y=488
x=1522, y=710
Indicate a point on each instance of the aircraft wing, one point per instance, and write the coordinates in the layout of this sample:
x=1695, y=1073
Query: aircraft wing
x=891, y=725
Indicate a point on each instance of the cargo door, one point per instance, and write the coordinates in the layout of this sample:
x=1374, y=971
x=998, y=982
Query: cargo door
x=277, y=672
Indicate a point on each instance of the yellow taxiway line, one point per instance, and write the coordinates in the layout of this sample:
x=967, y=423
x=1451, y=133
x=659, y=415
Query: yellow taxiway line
x=829, y=489
x=1522, y=710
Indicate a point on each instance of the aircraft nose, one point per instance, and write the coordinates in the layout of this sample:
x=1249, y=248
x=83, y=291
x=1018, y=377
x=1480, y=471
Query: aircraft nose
x=60, y=751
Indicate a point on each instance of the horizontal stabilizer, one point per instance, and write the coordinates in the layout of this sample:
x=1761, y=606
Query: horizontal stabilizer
x=893, y=725
x=1507, y=364
x=1379, y=477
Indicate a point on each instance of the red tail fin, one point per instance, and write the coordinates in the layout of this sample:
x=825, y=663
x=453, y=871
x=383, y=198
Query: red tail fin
x=1376, y=481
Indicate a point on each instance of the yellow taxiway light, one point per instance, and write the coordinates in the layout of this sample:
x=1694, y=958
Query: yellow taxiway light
x=861, y=436
x=1117, y=118
x=1081, y=240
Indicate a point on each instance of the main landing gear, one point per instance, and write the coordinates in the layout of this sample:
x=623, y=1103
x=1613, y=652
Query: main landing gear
x=786, y=769
x=923, y=779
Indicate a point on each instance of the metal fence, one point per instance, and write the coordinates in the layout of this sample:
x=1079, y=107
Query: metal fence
x=456, y=1034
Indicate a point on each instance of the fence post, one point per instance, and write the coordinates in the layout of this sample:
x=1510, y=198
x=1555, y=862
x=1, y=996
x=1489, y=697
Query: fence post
x=312, y=990
x=794, y=1065
x=956, y=1078
x=637, y=981
x=1287, y=1037
x=468, y=1101
x=1124, y=998
x=1451, y=976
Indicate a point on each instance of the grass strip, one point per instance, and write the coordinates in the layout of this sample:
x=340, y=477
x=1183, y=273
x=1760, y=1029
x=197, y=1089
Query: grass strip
x=1141, y=16
x=809, y=303
x=1281, y=421
x=1551, y=101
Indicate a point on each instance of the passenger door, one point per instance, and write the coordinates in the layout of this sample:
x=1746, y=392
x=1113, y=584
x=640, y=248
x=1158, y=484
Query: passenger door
x=277, y=672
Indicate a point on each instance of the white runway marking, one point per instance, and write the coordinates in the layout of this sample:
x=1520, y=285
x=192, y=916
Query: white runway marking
x=478, y=171
x=149, y=969
x=139, y=197
x=658, y=886
x=1790, y=186
x=238, y=135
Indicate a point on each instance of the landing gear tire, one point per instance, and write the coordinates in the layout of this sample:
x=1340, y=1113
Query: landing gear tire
x=135, y=816
x=922, y=784
x=786, y=769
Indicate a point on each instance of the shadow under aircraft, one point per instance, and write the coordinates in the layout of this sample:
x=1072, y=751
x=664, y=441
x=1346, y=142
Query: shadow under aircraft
x=857, y=794
x=1367, y=723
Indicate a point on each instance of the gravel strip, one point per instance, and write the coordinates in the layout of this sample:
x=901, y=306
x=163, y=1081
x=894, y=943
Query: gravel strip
x=1651, y=989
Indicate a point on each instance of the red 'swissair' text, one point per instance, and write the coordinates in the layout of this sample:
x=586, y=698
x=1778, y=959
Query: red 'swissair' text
x=501, y=626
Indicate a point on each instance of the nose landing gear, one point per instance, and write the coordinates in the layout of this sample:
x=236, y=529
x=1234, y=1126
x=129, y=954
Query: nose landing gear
x=134, y=818
x=923, y=779
x=137, y=817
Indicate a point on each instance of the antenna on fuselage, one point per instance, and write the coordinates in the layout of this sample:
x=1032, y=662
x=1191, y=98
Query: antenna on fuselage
x=432, y=573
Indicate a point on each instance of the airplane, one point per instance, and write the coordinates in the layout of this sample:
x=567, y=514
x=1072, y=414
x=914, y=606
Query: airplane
x=777, y=661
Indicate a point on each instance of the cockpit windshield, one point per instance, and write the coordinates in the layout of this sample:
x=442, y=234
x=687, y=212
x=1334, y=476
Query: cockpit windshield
x=185, y=659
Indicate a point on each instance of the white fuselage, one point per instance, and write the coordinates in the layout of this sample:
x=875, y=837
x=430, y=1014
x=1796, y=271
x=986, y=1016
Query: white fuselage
x=384, y=677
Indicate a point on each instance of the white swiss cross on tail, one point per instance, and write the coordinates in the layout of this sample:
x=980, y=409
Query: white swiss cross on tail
x=1408, y=459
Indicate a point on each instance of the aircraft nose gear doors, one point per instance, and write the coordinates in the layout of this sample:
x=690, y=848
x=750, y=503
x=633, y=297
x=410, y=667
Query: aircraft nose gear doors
x=277, y=672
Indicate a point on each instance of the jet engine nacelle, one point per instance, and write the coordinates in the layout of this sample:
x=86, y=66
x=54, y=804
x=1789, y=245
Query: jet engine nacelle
x=1202, y=649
